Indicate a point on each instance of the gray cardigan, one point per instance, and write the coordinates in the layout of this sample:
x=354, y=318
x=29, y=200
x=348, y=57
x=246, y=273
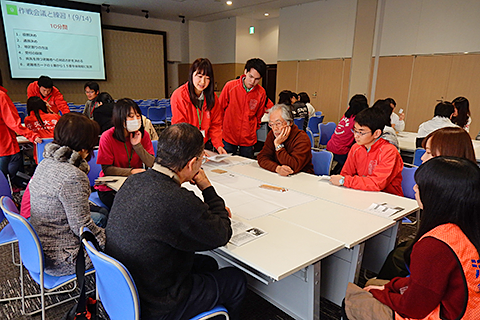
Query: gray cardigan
x=59, y=192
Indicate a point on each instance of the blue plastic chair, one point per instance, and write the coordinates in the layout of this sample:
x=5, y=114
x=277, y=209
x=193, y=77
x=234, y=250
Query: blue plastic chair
x=117, y=291
x=318, y=113
x=417, y=156
x=31, y=253
x=313, y=123
x=326, y=131
x=408, y=181
x=311, y=137
x=322, y=162
x=299, y=122
x=157, y=115
x=93, y=174
x=41, y=148
x=155, y=146
x=5, y=189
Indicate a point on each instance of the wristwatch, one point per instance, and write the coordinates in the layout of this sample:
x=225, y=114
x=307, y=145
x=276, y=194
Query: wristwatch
x=280, y=146
x=342, y=180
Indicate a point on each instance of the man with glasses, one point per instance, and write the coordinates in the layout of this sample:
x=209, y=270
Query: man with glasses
x=156, y=226
x=373, y=164
x=92, y=89
x=243, y=102
x=287, y=149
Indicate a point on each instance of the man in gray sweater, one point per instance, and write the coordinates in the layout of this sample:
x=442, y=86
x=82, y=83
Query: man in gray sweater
x=156, y=226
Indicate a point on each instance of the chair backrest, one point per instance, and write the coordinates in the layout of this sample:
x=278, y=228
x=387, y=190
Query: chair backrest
x=41, y=147
x=157, y=114
x=4, y=186
x=29, y=244
x=318, y=113
x=417, y=156
x=408, y=181
x=95, y=168
x=326, y=130
x=313, y=123
x=299, y=122
x=322, y=162
x=155, y=146
x=312, y=139
x=116, y=287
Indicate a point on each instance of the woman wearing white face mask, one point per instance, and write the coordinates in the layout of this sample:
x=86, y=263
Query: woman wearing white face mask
x=125, y=148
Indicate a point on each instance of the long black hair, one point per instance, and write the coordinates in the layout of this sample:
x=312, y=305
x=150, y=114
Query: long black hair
x=36, y=104
x=204, y=67
x=463, y=108
x=449, y=190
x=357, y=103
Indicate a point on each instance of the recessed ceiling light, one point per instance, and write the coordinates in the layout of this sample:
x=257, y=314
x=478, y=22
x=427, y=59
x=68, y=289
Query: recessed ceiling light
x=229, y=3
x=266, y=14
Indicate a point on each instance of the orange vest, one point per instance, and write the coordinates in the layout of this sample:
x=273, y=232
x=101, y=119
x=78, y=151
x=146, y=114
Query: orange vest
x=468, y=257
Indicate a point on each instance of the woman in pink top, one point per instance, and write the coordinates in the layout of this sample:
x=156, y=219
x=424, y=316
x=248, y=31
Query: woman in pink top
x=342, y=139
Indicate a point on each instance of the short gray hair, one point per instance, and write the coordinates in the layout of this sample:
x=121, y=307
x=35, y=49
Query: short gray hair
x=287, y=114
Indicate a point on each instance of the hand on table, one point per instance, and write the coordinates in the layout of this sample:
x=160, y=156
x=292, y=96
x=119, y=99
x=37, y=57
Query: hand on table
x=335, y=179
x=284, y=170
x=373, y=288
x=38, y=140
x=138, y=170
x=282, y=136
x=221, y=150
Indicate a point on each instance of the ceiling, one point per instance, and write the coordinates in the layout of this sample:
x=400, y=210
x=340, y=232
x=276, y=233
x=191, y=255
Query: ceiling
x=199, y=10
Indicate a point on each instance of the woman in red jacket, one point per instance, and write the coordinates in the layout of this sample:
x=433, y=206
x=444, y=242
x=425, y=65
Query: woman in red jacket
x=195, y=102
x=444, y=264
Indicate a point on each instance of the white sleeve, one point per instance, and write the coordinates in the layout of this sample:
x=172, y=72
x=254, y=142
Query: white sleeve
x=399, y=124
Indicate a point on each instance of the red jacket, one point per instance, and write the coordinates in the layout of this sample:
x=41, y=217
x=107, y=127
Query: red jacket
x=243, y=112
x=10, y=123
x=184, y=111
x=379, y=169
x=296, y=154
x=55, y=98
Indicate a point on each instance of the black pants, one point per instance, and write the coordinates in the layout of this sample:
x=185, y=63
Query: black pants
x=107, y=198
x=212, y=287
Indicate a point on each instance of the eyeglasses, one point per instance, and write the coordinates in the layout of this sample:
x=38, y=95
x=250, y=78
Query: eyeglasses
x=276, y=124
x=360, y=133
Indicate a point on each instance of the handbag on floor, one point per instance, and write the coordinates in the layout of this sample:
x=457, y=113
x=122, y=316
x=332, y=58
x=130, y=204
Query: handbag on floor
x=86, y=307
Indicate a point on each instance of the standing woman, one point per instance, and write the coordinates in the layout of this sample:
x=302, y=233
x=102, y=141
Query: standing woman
x=343, y=139
x=462, y=113
x=444, y=280
x=124, y=148
x=40, y=119
x=196, y=103
x=10, y=123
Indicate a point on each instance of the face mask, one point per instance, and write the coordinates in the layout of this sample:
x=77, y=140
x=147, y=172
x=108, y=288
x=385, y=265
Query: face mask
x=133, y=125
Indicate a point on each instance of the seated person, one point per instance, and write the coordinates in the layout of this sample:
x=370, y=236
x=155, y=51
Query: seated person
x=389, y=133
x=444, y=111
x=300, y=110
x=287, y=149
x=397, y=120
x=172, y=281
x=40, y=119
x=59, y=192
x=102, y=111
x=373, y=164
x=92, y=89
x=461, y=116
x=43, y=88
x=124, y=148
x=303, y=97
x=443, y=281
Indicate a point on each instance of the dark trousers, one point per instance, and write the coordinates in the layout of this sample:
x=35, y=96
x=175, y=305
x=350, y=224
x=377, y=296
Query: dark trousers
x=242, y=151
x=341, y=159
x=11, y=164
x=212, y=287
x=107, y=198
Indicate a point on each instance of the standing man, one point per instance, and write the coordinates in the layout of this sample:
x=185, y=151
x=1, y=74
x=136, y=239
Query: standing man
x=156, y=232
x=92, y=89
x=44, y=89
x=244, y=102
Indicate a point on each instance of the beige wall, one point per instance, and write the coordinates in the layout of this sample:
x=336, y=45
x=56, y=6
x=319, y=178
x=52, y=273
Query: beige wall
x=415, y=82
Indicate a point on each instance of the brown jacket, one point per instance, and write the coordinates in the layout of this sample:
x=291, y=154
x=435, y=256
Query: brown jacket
x=296, y=154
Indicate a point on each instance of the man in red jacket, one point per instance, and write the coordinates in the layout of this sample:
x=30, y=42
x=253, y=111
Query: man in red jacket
x=44, y=89
x=373, y=164
x=243, y=102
